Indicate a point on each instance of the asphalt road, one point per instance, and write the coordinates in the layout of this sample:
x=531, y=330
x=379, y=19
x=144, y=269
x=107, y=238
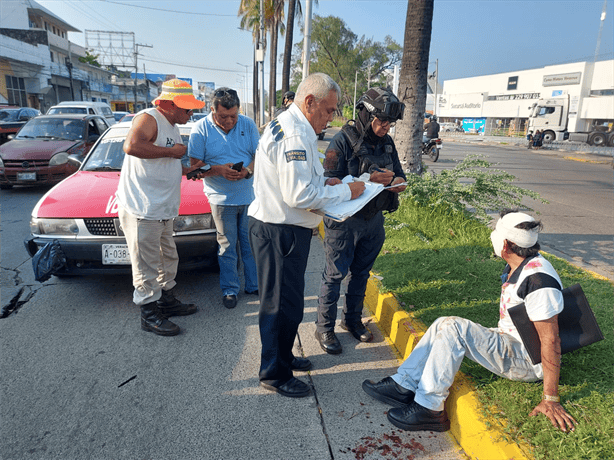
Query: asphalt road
x=79, y=379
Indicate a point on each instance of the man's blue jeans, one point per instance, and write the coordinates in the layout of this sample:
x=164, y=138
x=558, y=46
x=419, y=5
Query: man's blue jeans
x=232, y=233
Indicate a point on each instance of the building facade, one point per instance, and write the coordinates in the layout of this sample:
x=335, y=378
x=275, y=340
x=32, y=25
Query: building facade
x=502, y=102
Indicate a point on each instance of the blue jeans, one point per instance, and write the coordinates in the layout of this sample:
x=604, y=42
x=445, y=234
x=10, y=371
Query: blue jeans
x=231, y=223
x=430, y=368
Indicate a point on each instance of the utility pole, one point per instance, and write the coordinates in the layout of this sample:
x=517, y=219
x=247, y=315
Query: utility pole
x=136, y=69
x=436, y=78
x=307, y=40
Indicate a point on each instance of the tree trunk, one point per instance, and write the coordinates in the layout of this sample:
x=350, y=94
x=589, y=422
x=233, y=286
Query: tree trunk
x=255, y=88
x=273, y=69
x=285, y=77
x=413, y=82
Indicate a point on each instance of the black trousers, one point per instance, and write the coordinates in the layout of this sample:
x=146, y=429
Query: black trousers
x=351, y=248
x=281, y=253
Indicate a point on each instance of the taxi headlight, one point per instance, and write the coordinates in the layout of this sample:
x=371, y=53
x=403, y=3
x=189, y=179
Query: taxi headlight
x=59, y=227
x=193, y=223
x=59, y=159
x=1, y=163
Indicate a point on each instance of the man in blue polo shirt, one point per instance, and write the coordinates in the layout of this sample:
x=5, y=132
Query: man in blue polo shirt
x=217, y=142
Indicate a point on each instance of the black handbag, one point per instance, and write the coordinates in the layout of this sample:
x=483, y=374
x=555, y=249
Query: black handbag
x=577, y=324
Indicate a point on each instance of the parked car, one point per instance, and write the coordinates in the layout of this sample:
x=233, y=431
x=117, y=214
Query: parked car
x=448, y=127
x=119, y=115
x=127, y=117
x=81, y=214
x=84, y=107
x=197, y=116
x=12, y=119
x=39, y=152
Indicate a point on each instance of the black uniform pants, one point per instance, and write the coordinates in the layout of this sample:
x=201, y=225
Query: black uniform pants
x=281, y=253
x=351, y=248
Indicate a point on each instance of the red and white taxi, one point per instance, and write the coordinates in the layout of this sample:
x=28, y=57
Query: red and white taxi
x=81, y=214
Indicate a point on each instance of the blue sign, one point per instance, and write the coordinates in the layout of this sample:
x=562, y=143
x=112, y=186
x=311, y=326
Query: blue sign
x=474, y=125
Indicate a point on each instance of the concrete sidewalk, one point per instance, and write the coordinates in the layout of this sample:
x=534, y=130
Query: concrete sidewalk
x=345, y=422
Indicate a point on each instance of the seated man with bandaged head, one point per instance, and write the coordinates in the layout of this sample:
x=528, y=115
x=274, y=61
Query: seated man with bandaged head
x=421, y=385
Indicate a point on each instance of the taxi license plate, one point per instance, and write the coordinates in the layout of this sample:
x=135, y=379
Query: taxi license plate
x=26, y=176
x=115, y=254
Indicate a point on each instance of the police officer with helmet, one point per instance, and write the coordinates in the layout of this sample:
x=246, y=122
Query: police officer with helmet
x=351, y=247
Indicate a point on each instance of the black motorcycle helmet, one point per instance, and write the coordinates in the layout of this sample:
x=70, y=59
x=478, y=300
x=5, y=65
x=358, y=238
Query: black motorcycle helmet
x=381, y=103
x=288, y=96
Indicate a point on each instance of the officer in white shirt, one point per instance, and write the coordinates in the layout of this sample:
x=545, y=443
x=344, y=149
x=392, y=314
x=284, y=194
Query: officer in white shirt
x=288, y=182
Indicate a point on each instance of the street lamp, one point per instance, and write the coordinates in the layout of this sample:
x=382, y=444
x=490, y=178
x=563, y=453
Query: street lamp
x=355, y=84
x=246, y=66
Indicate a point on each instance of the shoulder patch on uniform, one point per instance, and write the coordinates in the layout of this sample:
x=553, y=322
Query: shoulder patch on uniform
x=278, y=133
x=296, y=155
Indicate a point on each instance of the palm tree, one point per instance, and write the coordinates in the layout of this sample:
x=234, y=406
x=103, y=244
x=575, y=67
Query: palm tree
x=249, y=10
x=274, y=15
x=413, y=82
x=285, y=77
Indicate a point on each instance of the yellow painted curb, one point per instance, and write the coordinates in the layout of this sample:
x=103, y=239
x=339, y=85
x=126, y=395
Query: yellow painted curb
x=468, y=426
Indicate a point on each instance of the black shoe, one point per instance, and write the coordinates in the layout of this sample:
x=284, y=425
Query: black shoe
x=300, y=364
x=358, y=330
x=388, y=391
x=252, y=292
x=293, y=388
x=170, y=306
x=229, y=301
x=153, y=321
x=329, y=342
x=414, y=417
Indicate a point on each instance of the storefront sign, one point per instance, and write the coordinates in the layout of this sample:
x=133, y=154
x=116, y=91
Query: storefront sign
x=513, y=97
x=562, y=79
x=466, y=105
x=512, y=83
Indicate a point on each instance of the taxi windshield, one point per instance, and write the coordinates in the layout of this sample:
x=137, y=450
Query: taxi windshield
x=107, y=156
x=52, y=128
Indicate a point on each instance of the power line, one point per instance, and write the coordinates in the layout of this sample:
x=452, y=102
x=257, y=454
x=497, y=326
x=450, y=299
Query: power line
x=191, y=13
x=191, y=66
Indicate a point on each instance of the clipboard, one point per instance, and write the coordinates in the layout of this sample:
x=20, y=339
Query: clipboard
x=577, y=324
x=341, y=211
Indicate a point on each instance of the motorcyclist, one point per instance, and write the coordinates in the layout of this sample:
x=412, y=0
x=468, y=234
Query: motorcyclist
x=432, y=130
x=287, y=100
x=363, y=146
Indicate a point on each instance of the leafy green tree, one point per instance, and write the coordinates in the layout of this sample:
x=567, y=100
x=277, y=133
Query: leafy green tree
x=338, y=52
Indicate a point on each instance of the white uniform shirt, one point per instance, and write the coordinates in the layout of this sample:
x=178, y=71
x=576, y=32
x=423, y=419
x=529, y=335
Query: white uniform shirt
x=288, y=174
x=150, y=188
x=535, y=283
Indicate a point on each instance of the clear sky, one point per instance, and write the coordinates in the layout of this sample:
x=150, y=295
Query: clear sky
x=201, y=39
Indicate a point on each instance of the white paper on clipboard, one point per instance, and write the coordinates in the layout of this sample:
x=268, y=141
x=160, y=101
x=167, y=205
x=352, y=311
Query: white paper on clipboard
x=342, y=211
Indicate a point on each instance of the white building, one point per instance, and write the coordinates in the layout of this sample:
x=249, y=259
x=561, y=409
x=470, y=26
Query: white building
x=502, y=101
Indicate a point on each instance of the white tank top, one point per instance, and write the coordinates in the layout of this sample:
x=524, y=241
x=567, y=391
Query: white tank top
x=151, y=188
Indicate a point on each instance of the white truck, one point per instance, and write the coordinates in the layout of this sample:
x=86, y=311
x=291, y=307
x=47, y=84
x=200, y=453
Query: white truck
x=560, y=119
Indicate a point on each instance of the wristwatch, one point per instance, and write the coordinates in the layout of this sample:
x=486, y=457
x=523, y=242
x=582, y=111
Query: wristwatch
x=250, y=173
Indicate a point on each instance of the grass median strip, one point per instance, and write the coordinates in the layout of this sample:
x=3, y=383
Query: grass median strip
x=438, y=261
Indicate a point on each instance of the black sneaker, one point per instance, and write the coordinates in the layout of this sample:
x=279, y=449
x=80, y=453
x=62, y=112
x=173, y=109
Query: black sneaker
x=229, y=301
x=414, y=417
x=358, y=330
x=388, y=391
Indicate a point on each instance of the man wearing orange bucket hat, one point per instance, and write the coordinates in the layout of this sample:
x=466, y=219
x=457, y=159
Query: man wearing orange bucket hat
x=149, y=194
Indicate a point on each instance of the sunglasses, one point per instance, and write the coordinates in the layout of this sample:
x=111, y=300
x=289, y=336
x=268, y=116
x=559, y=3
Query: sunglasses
x=224, y=92
x=386, y=122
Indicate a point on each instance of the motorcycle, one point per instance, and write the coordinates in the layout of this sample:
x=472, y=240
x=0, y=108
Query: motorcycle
x=432, y=148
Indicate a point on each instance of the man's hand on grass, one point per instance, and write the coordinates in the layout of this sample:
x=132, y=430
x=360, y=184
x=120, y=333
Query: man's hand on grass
x=557, y=415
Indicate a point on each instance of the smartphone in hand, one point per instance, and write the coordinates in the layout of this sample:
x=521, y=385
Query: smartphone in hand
x=193, y=174
x=237, y=166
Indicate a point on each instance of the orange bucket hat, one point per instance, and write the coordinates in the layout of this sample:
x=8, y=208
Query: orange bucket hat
x=180, y=92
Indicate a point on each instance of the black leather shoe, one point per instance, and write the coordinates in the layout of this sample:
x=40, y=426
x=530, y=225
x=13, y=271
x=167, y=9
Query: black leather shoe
x=252, y=292
x=329, y=342
x=414, y=417
x=293, y=388
x=153, y=321
x=300, y=364
x=169, y=306
x=359, y=331
x=229, y=301
x=388, y=391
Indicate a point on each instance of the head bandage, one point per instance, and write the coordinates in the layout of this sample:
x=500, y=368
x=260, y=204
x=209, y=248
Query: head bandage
x=506, y=230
